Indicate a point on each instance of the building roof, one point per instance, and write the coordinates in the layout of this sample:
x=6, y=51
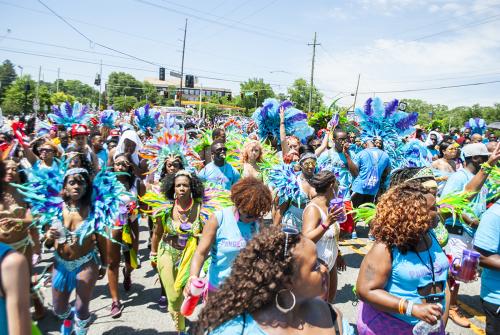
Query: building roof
x=172, y=81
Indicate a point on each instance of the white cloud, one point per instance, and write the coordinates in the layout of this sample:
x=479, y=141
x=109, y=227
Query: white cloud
x=390, y=65
x=338, y=13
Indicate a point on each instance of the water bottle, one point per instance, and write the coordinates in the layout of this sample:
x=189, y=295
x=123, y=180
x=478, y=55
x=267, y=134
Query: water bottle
x=424, y=328
x=189, y=304
x=62, y=231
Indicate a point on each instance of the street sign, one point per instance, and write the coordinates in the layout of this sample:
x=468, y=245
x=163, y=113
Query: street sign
x=175, y=74
x=248, y=94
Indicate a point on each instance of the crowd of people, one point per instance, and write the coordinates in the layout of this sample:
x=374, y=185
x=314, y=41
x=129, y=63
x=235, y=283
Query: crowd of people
x=250, y=212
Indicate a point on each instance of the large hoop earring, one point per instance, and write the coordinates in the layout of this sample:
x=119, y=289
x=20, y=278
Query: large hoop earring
x=279, y=307
x=175, y=195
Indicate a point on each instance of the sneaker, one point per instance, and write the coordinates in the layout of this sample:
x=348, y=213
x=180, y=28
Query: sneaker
x=354, y=235
x=162, y=302
x=457, y=317
x=127, y=281
x=116, y=309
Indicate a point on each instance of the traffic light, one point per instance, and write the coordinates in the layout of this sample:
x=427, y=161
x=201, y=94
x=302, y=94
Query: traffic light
x=229, y=97
x=256, y=94
x=189, y=81
x=241, y=95
x=97, y=81
x=162, y=73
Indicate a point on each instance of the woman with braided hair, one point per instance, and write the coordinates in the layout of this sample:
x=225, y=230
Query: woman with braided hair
x=273, y=288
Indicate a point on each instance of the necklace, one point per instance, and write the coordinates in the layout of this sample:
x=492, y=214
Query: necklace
x=182, y=209
x=72, y=209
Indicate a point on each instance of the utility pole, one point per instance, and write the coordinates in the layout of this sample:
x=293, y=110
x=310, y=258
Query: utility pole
x=199, y=107
x=356, y=95
x=57, y=82
x=314, y=44
x=182, y=63
x=38, y=84
x=100, y=87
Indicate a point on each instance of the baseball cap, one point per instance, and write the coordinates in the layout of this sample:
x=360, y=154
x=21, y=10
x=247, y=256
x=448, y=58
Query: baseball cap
x=475, y=149
x=79, y=129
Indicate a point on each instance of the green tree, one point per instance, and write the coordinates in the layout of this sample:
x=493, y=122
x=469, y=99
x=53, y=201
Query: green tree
x=120, y=84
x=82, y=92
x=60, y=97
x=7, y=77
x=149, y=91
x=124, y=103
x=260, y=91
x=299, y=95
x=19, y=96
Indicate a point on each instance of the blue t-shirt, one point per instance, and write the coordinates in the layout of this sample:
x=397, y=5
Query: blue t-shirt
x=336, y=162
x=231, y=237
x=224, y=175
x=488, y=238
x=411, y=271
x=102, y=157
x=456, y=183
x=236, y=325
x=366, y=161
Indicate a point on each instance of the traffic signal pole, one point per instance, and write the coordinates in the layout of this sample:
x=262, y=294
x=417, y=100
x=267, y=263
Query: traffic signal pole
x=182, y=63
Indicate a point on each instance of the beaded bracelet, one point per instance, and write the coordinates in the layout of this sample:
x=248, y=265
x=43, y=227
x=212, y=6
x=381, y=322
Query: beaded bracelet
x=153, y=258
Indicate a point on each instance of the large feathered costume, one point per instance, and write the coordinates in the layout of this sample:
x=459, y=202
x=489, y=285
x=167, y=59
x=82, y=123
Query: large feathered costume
x=146, y=118
x=267, y=119
x=387, y=123
x=476, y=125
x=108, y=118
x=67, y=115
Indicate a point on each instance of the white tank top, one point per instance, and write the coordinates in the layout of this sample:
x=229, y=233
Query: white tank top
x=327, y=247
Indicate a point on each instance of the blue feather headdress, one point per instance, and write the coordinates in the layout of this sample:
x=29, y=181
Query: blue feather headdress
x=68, y=115
x=43, y=193
x=267, y=119
x=108, y=118
x=476, y=125
x=146, y=118
x=388, y=123
x=416, y=154
x=284, y=180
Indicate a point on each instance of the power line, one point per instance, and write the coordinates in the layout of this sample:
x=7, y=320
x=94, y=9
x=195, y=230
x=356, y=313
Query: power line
x=92, y=41
x=214, y=21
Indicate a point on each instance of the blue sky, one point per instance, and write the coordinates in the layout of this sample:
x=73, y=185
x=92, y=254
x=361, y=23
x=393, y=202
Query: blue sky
x=394, y=44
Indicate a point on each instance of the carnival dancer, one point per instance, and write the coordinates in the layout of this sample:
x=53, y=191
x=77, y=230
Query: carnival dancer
x=16, y=228
x=229, y=230
x=402, y=279
x=478, y=165
x=218, y=171
x=320, y=225
x=79, y=135
x=252, y=156
x=129, y=144
x=338, y=160
x=180, y=211
x=275, y=281
x=80, y=213
x=125, y=232
x=292, y=189
x=47, y=151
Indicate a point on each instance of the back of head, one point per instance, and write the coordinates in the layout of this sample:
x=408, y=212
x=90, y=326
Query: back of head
x=259, y=272
x=322, y=181
x=251, y=196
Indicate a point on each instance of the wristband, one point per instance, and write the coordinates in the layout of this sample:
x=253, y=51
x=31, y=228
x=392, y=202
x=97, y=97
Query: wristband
x=409, y=308
x=323, y=226
x=153, y=258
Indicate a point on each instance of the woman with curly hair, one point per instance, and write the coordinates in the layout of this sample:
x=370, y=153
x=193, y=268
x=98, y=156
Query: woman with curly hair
x=171, y=234
x=320, y=225
x=126, y=232
x=229, y=230
x=252, y=155
x=273, y=288
x=402, y=279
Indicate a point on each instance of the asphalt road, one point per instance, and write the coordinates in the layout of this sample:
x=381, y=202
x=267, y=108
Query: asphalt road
x=142, y=315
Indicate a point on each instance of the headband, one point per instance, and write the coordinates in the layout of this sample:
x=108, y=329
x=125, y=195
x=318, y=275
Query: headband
x=183, y=173
x=307, y=155
x=74, y=171
x=425, y=172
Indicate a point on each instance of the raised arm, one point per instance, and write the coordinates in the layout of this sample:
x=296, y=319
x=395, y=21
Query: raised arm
x=284, y=144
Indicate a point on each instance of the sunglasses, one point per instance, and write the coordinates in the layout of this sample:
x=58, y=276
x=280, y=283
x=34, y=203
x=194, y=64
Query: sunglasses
x=221, y=150
x=45, y=150
x=309, y=163
x=289, y=231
